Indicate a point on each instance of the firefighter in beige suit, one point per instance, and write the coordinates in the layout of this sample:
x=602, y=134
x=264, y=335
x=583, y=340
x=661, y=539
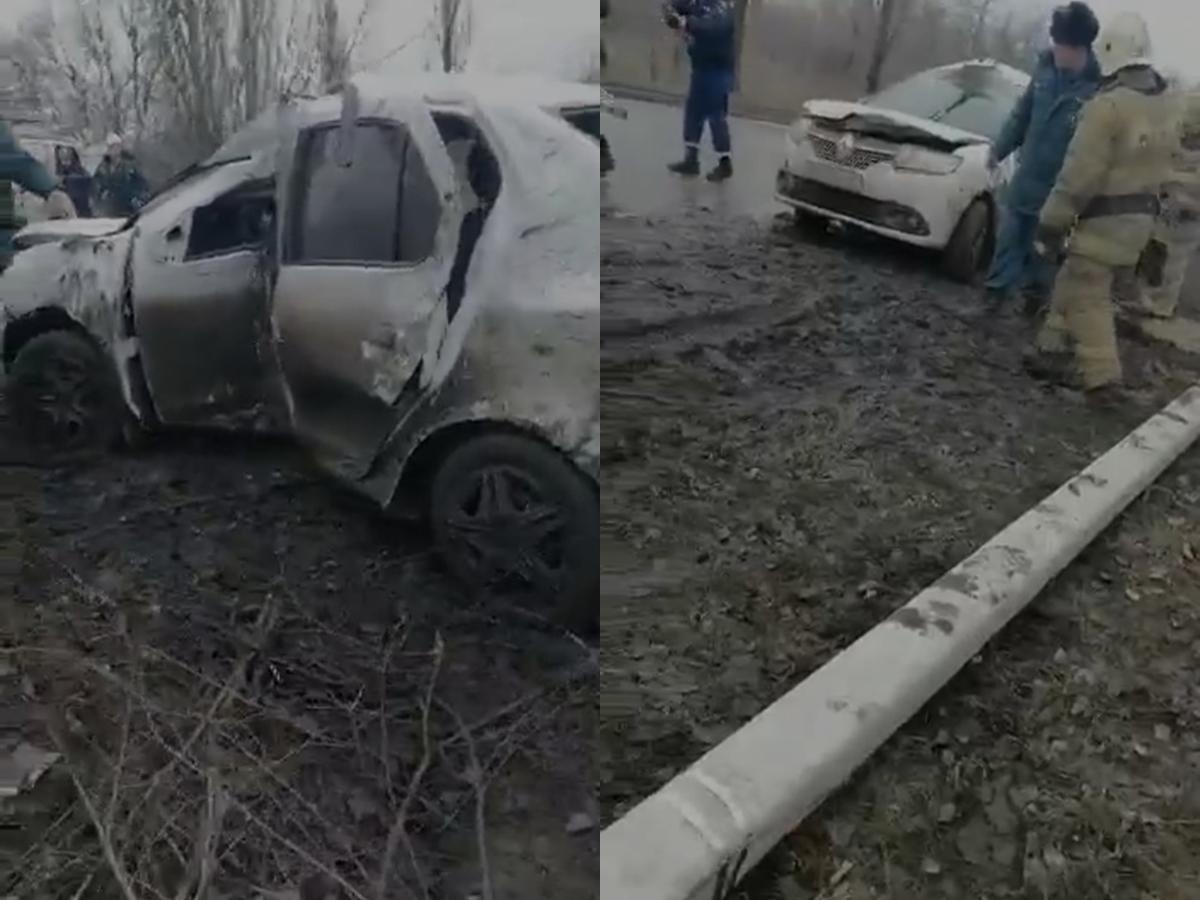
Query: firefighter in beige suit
x=1176, y=236
x=1101, y=213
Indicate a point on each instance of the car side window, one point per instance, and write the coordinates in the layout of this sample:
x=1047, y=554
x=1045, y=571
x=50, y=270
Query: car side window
x=382, y=208
x=243, y=219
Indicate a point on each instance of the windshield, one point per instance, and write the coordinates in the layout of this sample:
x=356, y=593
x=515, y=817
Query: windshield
x=180, y=182
x=261, y=135
x=975, y=98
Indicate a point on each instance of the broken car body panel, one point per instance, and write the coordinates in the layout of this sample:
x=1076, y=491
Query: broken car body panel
x=362, y=362
x=52, y=230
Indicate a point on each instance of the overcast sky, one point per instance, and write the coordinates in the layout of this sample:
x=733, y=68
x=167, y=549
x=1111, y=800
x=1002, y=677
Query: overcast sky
x=552, y=35
x=1174, y=25
x=557, y=37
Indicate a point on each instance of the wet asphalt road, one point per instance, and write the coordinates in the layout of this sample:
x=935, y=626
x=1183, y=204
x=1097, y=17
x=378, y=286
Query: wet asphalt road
x=651, y=138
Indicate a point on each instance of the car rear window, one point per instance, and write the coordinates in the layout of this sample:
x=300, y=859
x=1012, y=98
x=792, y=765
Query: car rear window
x=975, y=98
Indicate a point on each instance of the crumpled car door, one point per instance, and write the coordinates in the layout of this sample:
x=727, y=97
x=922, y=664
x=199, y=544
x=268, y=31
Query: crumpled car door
x=201, y=309
x=373, y=211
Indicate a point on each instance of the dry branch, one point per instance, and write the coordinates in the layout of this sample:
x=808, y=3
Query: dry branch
x=398, y=833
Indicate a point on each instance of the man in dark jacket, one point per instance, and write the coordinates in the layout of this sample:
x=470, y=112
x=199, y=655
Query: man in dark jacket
x=18, y=167
x=119, y=186
x=1041, y=127
x=710, y=30
x=606, y=157
x=76, y=180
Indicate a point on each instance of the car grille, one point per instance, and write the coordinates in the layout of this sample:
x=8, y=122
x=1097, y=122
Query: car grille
x=826, y=148
x=883, y=213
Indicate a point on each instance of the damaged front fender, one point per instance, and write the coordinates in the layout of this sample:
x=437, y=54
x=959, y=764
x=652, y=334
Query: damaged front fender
x=82, y=280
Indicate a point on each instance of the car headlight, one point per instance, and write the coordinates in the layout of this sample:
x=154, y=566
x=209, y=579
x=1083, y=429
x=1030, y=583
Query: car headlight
x=798, y=133
x=930, y=162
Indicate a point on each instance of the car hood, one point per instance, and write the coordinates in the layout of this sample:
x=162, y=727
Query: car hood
x=890, y=124
x=62, y=229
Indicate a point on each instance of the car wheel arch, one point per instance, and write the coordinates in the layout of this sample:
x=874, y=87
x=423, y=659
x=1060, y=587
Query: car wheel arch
x=22, y=329
x=419, y=465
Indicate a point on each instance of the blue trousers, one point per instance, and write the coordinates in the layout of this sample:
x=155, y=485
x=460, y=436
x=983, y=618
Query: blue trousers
x=1016, y=265
x=708, y=101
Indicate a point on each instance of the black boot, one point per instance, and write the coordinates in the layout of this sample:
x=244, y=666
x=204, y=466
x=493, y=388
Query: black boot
x=723, y=170
x=1054, y=368
x=1111, y=397
x=689, y=165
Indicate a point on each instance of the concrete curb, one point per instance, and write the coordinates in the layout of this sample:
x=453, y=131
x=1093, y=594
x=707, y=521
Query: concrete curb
x=697, y=836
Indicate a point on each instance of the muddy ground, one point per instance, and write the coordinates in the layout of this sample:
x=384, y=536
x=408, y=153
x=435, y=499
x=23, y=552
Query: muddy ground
x=208, y=620
x=802, y=431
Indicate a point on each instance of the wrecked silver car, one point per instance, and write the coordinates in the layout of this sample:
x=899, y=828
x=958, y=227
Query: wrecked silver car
x=405, y=279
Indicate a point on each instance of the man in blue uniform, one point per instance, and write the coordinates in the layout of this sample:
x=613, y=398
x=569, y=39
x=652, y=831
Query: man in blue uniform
x=17, y=167
x=1041, y=127
x=710, y=30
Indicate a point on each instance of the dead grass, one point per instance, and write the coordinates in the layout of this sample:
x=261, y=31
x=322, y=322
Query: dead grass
x=249, y=749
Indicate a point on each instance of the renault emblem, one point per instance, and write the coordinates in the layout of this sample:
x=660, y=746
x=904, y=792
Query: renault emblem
x=845, y=148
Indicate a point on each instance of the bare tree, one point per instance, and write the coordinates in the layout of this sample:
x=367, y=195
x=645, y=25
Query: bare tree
x=454, y=33
x=338, y=46
x=979, y=32
x=890, y=16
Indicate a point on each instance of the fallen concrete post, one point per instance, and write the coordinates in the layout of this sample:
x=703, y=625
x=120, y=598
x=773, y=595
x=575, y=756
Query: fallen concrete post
x=697, y=836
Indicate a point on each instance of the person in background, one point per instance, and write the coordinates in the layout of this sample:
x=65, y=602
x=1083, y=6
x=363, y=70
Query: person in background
x=709, y=28
x=1041, y=127
x=76, y=180
x=18, y=167
x=606, y=157
x=1102, y=210
x=119, y=189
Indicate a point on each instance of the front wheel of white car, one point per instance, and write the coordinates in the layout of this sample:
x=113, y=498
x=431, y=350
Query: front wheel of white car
x=969, y=252
x=810, y=224
x=63, y=397
x=512, y=517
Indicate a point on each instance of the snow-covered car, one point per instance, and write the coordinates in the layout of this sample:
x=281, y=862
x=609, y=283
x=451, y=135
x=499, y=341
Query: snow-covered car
x=403, y=278
x=910, y=162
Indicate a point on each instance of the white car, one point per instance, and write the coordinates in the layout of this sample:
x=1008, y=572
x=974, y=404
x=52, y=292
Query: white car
x=402, y=278
x=910, y=162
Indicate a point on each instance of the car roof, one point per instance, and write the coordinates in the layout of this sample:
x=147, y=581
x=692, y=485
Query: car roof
x=433, y=90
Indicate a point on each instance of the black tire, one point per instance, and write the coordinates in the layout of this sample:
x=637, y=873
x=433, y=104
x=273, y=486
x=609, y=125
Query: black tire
x=64, y=398
x=810, y=224
x=969, y=252
x=512, y=517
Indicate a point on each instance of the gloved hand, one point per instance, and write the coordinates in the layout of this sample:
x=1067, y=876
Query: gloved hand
x=1152, y=264
x=59, y=206
x=1051, y=243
